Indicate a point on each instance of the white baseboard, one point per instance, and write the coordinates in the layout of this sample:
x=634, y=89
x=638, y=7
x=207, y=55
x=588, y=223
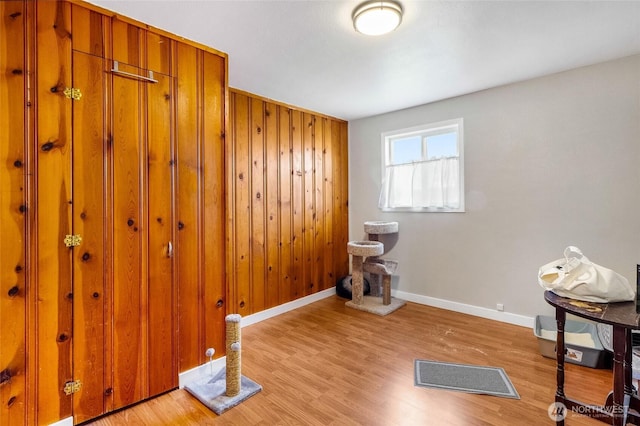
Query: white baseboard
x=216, y=365
x=477, y=311
x=286, y=307
x=207, y=369
x=64, y=422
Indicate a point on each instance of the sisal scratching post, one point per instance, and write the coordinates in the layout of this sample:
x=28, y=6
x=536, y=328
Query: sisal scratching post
x=228, y=387
x=386, y=290
x=357, y=292
x=375, y=280
x=233, y=354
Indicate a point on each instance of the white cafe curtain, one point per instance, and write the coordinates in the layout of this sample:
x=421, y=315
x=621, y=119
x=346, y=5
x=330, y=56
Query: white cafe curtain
x=425, y=184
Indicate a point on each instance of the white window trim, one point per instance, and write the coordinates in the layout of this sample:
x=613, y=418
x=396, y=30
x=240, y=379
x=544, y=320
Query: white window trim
x=432, y=128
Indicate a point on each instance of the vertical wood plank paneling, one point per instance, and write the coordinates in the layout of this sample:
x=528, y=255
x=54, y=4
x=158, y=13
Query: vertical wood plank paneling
x=302, y=207
x=109, y=295
x=308, y=227
x=88, y=31
x=188, y=192
x=52, y=268
x=285, y=206
x=343, y=167
x=297, y=199
x=258, y=284
x=101, y=167
x=128, y=288
x=13, y=238
x=338, y=193
x=319, y=236
x=272, y=155
x=231, y=177
x=331, y=133
x=214, y=72
x=242, y=205
x=126, y=42
x=162, y=365
x=158, y=53
x=88, y=221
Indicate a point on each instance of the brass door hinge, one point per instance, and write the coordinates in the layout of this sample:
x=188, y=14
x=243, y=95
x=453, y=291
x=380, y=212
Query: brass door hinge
x=72, y=240
x=72, y=93
x=72, y=387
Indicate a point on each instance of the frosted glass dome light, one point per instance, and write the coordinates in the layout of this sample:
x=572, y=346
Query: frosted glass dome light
x=377, y=17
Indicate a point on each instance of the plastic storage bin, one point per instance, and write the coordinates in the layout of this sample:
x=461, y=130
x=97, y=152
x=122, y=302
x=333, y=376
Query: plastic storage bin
x=576, y=333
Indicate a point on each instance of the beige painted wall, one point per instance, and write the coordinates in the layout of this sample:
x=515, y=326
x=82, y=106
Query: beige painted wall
x=549, y=162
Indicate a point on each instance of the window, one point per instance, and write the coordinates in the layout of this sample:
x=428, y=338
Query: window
x=423, y=168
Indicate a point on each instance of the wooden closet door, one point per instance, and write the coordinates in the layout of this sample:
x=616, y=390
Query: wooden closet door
x=13, y=214
x=89, y=213
x=129, y=295
x=162, y=365
x=199, y=201
x=188, y=204
x=143, y=342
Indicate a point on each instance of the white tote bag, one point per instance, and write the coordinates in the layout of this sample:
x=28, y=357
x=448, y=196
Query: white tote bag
x=577, y=277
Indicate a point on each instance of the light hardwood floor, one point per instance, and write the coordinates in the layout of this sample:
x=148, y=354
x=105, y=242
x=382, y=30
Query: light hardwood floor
x=325, y=364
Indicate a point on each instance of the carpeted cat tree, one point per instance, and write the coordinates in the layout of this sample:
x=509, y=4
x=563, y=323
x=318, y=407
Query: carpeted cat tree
x=365, y=258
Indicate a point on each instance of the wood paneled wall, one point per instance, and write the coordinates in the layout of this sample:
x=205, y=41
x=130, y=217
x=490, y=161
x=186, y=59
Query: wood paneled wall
x=190, y=206
x=287, y=185
x=136, y=168
x=14, y=158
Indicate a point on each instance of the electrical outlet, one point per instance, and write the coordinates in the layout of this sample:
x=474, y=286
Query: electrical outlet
x=500, y=307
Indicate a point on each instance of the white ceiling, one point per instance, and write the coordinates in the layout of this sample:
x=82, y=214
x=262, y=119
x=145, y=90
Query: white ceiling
x=306, y=52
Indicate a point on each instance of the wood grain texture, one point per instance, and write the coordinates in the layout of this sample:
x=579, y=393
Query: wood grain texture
x=297, y=201
x=319, y=242
x=110, y=15
x=328, y=364
x=89, y=195
x=158, y=49
x=106, y=312
x=126, y=42
x=284, y=204
x=309, y=204
x=330, y=276
x=88, y=29
x=128, y=292
x=188, y=205
x=283, y=209
x=272, y=213
x=240, y=210
x=341, y=209
x=14, y=167
x=162, y=363
x=213, y=213
x=52, y=268
x=257, y=224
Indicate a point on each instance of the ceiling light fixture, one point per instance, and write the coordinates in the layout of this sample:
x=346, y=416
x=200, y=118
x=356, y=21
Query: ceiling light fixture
x=377, y=17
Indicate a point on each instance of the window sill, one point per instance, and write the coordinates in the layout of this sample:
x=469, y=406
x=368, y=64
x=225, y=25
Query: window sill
x=421, y=210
